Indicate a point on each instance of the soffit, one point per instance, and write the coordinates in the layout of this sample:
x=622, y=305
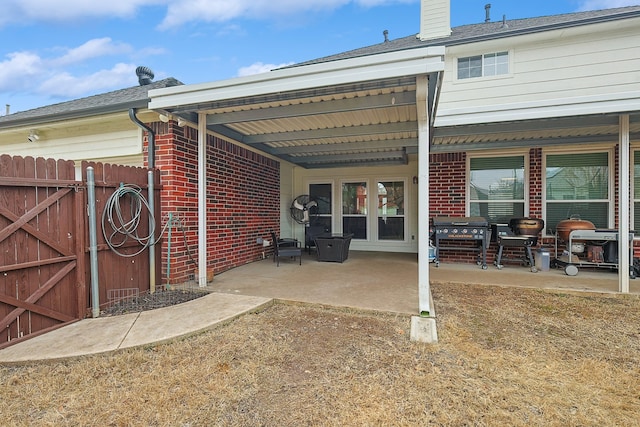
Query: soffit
x=364, y=124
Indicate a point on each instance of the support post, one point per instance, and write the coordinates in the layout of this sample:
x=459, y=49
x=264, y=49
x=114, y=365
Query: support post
x=202, y=199
x=624, y=185
x=423, y=327
x=424, y=289
x=93, y=243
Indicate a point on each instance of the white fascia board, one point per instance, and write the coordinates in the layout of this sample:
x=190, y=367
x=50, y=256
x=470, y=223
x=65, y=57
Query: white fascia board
x=584, y=105
x=373, y=67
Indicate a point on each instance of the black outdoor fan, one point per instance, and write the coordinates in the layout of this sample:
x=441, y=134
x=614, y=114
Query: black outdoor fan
x=303, y=208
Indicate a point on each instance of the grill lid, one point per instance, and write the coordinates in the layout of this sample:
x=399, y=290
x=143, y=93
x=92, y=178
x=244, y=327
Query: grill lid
x=468, y=221
x=526, y=226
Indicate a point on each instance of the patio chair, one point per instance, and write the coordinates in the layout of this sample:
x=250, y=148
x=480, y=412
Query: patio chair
x=285, y=248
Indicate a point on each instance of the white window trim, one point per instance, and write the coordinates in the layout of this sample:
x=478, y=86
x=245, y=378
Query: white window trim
x=483, y=77
x=495, y=154
x=611, y=187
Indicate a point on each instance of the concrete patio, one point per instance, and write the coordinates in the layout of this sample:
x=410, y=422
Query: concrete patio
x=389, y=281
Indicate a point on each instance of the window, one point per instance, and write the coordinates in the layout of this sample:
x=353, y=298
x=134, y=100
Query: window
x=490, y=64
x=391, y=210
x=322, y=193
x=497, y=187
x=636, y=190
x=577, y=184
x=354, y=209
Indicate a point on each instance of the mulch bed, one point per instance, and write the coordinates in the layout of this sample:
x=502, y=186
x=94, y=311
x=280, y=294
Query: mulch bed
x=151, y=301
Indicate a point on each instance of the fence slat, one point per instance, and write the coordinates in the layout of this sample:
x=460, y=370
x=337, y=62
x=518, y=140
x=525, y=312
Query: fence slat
x=43, y=250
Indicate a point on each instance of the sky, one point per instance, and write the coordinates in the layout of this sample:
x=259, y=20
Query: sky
x=56, y=50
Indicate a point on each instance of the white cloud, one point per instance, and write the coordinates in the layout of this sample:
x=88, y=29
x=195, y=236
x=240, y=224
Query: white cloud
x=30, y=72
x=606, y=4
x=178, y=11
x=19, y=11
x=19, y=70
x=94, y=48
x=182, y=11
x=373, y=3
x=259, y=67
x=65, y=85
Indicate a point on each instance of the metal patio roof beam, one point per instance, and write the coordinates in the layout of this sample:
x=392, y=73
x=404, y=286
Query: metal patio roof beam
x=281, y=97
x=365, y=145
x=350, y=162
x=398, y=154
x=227, y=132
x=542, y=142
x=342, y=132
x=369, y=163
x=316, y=108
x=533, y=125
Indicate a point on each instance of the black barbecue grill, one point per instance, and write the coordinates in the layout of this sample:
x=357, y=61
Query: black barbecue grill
x=519, y=233
x=451, y=228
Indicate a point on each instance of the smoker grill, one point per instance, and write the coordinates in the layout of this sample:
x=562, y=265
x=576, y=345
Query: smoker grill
x=475, y=228
x=519, y=233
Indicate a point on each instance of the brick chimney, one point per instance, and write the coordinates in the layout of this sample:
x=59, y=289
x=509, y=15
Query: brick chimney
x=435, y=19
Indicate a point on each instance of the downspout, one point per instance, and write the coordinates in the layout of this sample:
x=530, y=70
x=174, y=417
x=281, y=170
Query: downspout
x=151, y=163
x=151, y=158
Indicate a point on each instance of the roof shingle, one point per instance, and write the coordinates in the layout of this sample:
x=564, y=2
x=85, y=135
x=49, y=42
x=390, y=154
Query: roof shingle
x=487, y=31
x=117, y=100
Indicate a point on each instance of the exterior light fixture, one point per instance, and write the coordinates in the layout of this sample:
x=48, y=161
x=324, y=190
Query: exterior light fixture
x=166, y=118
x=33, y=136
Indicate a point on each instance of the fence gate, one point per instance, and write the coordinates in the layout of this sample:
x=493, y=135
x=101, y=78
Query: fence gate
x=42, y=280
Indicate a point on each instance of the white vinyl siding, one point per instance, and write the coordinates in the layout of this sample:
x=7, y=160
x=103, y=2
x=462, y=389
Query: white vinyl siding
x=435, y=21
x=551, y=74
x=112, y=145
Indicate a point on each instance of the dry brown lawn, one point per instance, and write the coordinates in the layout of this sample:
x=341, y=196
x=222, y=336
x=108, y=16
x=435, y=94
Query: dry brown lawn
x=506, y=356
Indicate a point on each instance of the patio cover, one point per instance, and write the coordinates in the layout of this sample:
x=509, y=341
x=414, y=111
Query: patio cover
x=593, y=121
x=361, y=111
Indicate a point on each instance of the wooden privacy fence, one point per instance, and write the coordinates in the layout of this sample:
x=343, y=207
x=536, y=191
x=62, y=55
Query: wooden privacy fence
x=44, y=242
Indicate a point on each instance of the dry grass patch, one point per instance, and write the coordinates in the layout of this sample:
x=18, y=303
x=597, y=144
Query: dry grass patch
x=506, y=357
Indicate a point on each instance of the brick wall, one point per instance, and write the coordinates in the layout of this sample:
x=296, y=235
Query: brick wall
x=447, y=192
x=243, y=201
x=447, y=184
x=447, y=195
x=535, y=182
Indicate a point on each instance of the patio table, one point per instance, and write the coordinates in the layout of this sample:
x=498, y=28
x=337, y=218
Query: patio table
x=333, y=247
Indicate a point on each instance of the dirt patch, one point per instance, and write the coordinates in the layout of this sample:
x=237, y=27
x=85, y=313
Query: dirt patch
x=506, y=357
